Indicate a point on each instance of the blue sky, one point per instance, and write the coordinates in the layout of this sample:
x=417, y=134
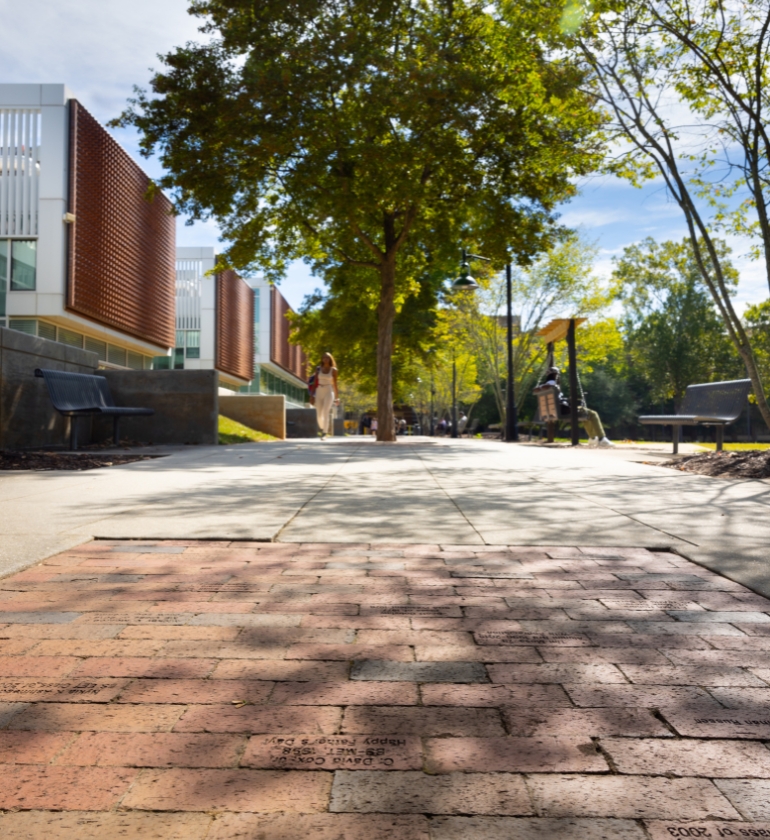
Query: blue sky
x=102, y=48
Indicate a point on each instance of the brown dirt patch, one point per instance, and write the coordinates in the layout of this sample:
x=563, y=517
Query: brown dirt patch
x=751, y=464
x=63, y=460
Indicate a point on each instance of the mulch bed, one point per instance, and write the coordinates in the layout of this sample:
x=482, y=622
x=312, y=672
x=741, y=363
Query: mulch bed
x=63, y=460
x=750, y=464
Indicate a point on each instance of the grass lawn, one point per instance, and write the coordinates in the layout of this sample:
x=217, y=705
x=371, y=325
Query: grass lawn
x=232, y=432
x=736, y=447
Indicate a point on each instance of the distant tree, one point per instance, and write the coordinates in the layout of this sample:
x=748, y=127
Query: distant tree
x=675, y=337
x=379, y=135
x=757, y=320
x=559, y=283
x=685, y=84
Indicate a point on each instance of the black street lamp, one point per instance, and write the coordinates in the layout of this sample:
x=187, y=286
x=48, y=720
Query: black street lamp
x=511, y=421
x=463, y=283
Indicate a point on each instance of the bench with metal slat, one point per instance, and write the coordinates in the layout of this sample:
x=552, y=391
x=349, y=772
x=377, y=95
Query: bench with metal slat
x=711, y=404
x=82, y=395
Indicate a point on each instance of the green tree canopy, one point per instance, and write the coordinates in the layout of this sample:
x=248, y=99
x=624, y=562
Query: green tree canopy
x=380, y=135
x=675, y=336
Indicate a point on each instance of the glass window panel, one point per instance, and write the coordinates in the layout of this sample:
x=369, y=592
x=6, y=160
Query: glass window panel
x=179, y=358
x=3, y=274
x=70, y=338
x=25, y=325
x=99, y=347
x=116, y=355
x=161, y=362
x=193, y=344
x=180, y=338
x=23, y=264
x=135, y=361
x=45, y=330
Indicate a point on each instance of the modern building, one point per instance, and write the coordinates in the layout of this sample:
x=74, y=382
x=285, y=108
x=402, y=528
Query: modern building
x=236, y=326
x=85, y=258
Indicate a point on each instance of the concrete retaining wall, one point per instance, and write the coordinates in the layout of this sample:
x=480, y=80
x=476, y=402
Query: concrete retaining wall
x=186, y=406
x=27, y=418
x=261, y=412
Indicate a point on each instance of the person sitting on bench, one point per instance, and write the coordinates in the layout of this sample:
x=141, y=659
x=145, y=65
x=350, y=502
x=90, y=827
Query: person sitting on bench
x=588, y=418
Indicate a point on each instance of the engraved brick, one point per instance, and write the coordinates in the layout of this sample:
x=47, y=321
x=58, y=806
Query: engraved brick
x=230, y=790
x=334, y=752
x=416, y=793
x=84, y=689
x=710, y=759
x=666, y=829
x=628, y=797
x=539, y=754
x=743, y=723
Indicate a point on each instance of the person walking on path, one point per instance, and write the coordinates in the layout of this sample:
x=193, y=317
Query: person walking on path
x=326, y=394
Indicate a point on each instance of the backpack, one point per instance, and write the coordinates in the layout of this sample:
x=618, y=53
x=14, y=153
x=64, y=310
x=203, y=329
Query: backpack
x=312, y=383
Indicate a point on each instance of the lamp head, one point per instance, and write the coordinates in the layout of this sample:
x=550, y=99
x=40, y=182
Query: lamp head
x=465, y=282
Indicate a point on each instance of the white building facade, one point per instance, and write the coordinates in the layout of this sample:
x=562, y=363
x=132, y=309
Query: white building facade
x=196, y=329
x=40, y=254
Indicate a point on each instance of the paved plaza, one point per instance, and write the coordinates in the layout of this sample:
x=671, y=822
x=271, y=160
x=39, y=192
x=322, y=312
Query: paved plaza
x=426, y=641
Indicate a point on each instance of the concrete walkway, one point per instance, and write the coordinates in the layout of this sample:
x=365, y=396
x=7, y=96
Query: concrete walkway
x=466, y=492
x=342, y=691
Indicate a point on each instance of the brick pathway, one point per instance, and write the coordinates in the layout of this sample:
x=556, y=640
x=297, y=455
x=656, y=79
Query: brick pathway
x=349, y=692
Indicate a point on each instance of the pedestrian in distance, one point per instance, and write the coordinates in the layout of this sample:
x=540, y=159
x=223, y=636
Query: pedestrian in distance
x=326, y=395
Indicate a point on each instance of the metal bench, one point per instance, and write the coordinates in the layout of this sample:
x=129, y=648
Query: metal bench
x=80, y=395
x=711, y=404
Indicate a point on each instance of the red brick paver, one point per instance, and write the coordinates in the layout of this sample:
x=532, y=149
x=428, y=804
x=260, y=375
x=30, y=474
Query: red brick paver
x=364, y=692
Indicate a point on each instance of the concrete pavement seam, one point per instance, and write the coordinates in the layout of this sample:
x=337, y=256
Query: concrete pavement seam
x=315, y=495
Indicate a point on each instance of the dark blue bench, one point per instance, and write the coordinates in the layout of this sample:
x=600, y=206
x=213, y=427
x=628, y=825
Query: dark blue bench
x=711, y=404
x=81, y=395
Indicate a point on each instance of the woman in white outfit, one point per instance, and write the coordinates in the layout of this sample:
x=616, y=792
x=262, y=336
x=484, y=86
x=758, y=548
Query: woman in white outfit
x=326, y=394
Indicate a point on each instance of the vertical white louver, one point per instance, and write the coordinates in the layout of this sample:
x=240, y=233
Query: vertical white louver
x=19, y=171
x=189, y=277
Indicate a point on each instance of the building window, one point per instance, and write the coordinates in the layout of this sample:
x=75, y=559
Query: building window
x=3, y=278
x=193, y=344
x=48, y=331
x=256, y=327
x=23, y=265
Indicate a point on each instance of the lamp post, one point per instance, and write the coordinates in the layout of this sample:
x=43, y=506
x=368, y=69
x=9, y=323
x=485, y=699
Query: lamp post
x=511, y=424
x=463, y=283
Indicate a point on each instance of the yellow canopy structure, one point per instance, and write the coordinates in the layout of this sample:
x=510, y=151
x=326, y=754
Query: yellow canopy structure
x=557, y=329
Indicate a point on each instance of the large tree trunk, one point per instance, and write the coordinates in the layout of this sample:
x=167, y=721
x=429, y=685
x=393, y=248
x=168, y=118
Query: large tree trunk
x=386, y=312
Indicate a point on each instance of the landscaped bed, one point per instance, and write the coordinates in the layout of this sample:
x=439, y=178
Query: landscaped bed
x=230, y=431
x=735, y=464
x=64, y=460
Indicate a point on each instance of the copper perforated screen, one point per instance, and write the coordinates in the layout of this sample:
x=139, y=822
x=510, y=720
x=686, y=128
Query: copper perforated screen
x=121, y=246
x=290, y=357
x=235, y=326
